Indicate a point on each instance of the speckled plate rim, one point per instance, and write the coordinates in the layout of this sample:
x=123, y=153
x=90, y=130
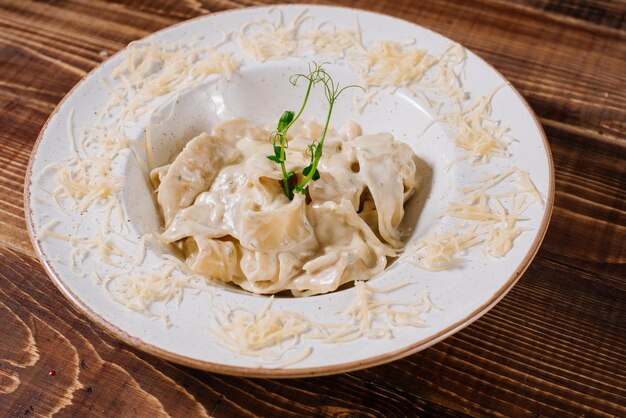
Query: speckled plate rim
x=301, y=372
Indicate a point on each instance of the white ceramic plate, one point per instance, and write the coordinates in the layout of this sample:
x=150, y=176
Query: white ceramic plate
x=462, y=295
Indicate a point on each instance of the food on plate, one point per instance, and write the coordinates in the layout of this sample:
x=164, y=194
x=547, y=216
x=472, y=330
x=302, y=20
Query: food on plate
x=224, y=207
x=273, y=215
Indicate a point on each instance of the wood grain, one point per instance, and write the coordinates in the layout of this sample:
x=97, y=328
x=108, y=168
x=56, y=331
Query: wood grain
x=555, y=346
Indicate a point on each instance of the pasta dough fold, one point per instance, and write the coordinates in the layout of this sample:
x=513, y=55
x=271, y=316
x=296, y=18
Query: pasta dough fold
x=224, y=208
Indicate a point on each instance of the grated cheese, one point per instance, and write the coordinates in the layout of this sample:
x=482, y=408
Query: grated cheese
x=328, y=40
x=109, y=252
x=499, y=239
x=475, y=131
x=85, y=179
x=264, y=40
x=490, y=221
x=152, y=71
x=140, y=292
x=270, y=334
x=263, y=334
x=391, y=64
x=373, y=318
x=437, y=252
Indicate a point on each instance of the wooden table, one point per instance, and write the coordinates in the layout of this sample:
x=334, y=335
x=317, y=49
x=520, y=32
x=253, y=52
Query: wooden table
x=555, y=346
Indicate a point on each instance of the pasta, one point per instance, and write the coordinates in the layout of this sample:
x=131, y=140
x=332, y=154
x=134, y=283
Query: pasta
x=224, y=209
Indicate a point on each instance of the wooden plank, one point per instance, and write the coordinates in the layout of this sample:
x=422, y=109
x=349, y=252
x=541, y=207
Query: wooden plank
x=96, y=374
x=549, y=348
x=575, y=79
x=561, y=339
x=590, y=209
x=552, y=74
x=554, y=346
x=609, y=13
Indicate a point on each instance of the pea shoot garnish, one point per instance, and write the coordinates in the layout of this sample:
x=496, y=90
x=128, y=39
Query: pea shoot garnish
x=317, y=74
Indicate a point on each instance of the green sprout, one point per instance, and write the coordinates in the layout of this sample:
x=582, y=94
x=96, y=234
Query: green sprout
x=317, y=74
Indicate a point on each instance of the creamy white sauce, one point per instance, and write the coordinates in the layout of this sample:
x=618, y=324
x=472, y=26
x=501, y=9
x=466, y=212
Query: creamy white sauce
x=224, y=208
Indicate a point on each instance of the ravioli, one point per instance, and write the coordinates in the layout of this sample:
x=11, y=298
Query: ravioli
x=192, y=172
x=224, y=208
